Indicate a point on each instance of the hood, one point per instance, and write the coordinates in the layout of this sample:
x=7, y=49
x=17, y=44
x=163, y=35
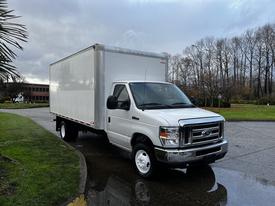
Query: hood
x=172, y=116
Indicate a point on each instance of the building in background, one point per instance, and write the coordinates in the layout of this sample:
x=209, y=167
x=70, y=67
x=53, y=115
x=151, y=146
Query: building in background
x=20, y=91
x=35, y=92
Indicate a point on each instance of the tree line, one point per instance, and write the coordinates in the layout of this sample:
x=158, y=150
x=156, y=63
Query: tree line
x=234, y=69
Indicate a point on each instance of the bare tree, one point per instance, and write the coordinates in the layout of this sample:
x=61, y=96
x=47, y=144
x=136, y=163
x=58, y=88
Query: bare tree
x=238, y=68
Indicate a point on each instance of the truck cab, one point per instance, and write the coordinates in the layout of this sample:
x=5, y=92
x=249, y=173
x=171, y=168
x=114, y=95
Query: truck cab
x=158, y=124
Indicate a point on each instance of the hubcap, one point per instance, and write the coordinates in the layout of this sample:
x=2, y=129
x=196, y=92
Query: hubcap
x=143, y=162
x=62, y=131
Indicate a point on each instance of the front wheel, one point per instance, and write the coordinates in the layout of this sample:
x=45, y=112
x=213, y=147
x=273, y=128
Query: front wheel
x=143, y=159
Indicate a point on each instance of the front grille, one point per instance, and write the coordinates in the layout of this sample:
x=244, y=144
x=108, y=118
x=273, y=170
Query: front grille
x=198, y=134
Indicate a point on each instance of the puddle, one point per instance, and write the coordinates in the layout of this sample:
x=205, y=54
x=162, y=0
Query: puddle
x=113, y=181
x=207, y=186
x=243, y=189
x=172, y=188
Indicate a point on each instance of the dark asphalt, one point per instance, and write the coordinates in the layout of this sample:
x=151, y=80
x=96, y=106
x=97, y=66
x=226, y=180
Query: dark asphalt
x=112, y=181
x=244, y=177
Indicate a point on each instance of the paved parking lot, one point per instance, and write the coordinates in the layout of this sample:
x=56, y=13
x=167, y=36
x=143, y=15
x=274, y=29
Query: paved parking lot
x=244, y=177
x=251, y=148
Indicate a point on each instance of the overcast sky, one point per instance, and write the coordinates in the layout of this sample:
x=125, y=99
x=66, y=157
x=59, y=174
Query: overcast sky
x=60, y=27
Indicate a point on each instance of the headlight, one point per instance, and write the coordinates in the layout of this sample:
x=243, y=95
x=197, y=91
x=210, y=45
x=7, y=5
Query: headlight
x=169, y=136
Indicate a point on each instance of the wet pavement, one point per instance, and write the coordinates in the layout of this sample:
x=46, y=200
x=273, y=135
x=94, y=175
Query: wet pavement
x=244, y=177
x=112, y=181
x=251, y=149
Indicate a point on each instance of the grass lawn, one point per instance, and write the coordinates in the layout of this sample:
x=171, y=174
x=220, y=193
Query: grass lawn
x=35, y=167
x=248, y=112
x=22, y=105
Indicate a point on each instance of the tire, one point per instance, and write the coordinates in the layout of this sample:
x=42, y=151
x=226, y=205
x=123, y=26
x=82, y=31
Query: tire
x=144, y=160
x=68, y=132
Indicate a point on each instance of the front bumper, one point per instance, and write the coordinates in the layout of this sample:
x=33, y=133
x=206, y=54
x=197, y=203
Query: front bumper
x=208, y=153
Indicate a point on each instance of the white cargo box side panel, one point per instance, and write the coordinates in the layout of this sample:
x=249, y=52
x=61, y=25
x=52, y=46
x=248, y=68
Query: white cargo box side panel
x=72, y=87
x=131, y=67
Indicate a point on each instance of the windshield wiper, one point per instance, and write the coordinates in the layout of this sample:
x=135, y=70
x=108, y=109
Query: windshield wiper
x=182, y=103
x=179, y=103
x=154, y=104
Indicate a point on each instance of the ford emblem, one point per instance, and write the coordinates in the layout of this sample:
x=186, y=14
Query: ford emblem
x=206, y=132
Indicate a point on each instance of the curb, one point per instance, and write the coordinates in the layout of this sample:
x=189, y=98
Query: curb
x=82, y=175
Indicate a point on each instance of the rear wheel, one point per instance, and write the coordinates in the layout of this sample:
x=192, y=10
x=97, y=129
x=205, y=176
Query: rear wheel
x=68, y=131
x=144, y=160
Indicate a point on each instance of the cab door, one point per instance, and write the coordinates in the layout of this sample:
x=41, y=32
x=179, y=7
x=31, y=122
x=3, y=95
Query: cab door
x=118, y=120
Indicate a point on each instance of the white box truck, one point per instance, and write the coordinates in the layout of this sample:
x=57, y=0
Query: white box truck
x=125, y=94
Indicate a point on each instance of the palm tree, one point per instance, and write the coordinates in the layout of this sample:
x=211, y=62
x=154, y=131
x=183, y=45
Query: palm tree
x=10, y=34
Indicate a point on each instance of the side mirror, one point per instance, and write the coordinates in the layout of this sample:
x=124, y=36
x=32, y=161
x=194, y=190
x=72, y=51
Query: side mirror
x=112, y=102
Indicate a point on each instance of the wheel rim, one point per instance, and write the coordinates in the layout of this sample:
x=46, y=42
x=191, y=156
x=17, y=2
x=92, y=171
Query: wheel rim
x=62, y=131
x=142, y=161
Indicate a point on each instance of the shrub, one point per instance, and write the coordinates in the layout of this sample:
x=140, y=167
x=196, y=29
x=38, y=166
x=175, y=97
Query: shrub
x=243, y=101
x=266, y=100
x=211, y=102
x=4, y=99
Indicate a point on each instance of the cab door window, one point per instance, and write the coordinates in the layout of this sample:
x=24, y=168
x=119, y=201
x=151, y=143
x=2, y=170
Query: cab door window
x=121, y=93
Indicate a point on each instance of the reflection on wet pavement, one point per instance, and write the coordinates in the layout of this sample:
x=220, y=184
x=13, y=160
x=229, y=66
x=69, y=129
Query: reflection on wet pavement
x=113, y=181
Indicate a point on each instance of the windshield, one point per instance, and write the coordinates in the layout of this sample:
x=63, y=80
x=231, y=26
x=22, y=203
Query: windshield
x=158, y=96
